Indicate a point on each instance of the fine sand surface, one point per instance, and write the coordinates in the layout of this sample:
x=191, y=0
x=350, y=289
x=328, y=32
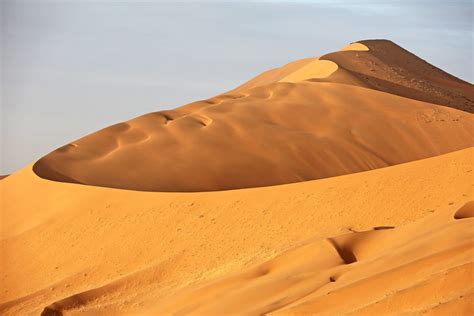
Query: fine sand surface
x=337, y=185
x=108, y=250
x=82, y=248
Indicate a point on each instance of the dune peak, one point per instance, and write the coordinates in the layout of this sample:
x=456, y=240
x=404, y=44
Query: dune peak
x=355, y=47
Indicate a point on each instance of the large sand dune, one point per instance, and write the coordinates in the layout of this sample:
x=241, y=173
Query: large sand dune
x=353, y=178
x=284, y=128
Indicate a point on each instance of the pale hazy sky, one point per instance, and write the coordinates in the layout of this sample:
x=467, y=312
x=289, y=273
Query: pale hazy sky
x=69, y=68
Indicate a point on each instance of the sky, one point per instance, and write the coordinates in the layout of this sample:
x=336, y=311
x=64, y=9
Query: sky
x=68, y=68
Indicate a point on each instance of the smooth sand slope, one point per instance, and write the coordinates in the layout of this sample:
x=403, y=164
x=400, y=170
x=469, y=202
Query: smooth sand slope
x=311, y=119
x=328, y=275
x=273, y=249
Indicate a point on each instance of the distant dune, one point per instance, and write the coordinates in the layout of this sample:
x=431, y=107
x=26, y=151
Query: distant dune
x=352, y=178
x=345, y=112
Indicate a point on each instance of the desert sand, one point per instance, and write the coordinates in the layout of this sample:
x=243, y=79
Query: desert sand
x=84, y=248
x=305, y=195
x=282, y=127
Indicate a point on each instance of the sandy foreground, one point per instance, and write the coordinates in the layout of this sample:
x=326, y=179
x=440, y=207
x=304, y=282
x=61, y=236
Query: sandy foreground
x=352, y=193
x=252, y=250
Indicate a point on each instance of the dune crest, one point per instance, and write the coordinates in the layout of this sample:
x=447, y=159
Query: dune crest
x=355, y=46
x=390, y=68
x=316, y=69
x=386, y=67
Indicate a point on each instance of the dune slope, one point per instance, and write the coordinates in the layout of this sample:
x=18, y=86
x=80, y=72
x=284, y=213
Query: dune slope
x=69, y=247
x=390, y=68
x=279, y=133
x=354, y=110
x=389, y=265
x=381, y=65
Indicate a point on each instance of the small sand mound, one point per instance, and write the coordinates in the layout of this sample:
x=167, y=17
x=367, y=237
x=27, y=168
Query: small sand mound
x=467, y=211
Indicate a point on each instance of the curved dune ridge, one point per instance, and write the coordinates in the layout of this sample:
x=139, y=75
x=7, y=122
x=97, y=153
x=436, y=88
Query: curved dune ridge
x=316, y=69
x=383, y=65
x=349, y=111
x=402, y=236
x=355, y=46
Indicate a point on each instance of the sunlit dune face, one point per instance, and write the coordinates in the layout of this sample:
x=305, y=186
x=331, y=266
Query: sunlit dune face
x=355, y=47
x=317, y=69
x=280, y=133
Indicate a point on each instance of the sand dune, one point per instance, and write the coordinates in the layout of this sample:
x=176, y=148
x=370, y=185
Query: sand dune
x=277, y=74
x=294, y=129
x=72, y=245
x=353, y=195
x=383, y=65
x=261, y=139
x=390, y=68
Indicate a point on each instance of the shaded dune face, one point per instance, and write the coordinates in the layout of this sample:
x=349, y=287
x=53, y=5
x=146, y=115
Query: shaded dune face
x=277, y=129
x=390, y=68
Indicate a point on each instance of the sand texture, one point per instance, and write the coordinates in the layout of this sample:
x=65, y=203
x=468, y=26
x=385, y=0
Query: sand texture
x=312, y=189
x=82, y=248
